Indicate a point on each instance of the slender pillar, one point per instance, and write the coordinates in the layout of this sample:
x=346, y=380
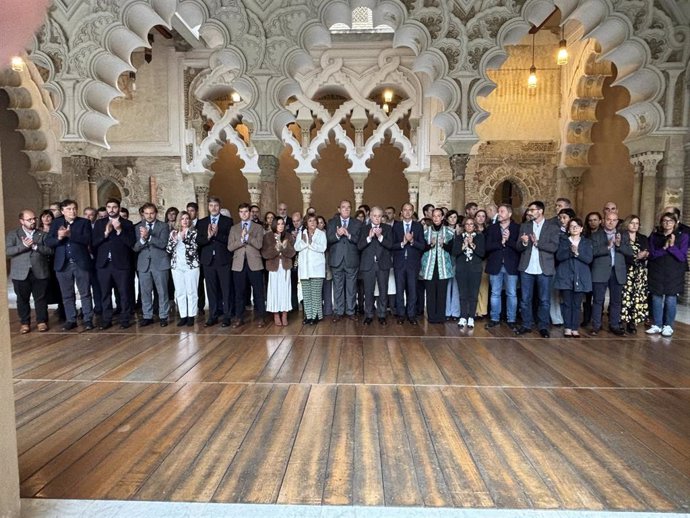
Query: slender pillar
x=267, y=182
x=306, y=197
x=255, y=193
x=648, y=162
x=359, y=192
x=82, y=168
x=637, y=186
x=201, y=182
x=413, y=192
x=458, y=165
x=46, y=186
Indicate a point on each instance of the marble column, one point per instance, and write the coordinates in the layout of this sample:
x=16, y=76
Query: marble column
x=255, y=193
x=45, y=183
x=637, y=186
x=458, y=165
x=267, y=182
x=201, y=181
x=413, y=193
x=359, y=191
x=305, y=189
x=648, y=163
x=9, y=474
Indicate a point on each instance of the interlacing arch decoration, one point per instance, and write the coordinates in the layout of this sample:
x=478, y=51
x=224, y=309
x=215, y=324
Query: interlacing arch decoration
x=86, y=46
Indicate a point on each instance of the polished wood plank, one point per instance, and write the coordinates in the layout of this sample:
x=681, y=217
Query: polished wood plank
x=346, y=414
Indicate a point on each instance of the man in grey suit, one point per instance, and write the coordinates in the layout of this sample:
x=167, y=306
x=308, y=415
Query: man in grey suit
x=375, y=243
x=342, y=234
x=609, y=272
x=538, y=243
x=153, y=264
x=29, y=270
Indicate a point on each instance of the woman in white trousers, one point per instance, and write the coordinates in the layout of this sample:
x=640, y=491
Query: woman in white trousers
x=184, y=265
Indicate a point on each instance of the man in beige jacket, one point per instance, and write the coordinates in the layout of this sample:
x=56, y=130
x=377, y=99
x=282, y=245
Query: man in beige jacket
x=245, y=241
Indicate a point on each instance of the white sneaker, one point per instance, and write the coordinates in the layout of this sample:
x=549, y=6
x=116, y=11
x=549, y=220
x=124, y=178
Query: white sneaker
x=462, y=322
x=470, y=322
x=667, y=331
x=654, y=330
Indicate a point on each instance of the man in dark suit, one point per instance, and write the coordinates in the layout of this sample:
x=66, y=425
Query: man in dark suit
x=70, y=237
x=113, y=238
x=29, y=270
x=342, y=233
x=153, y=264
x=375, y=242
x=502, y=262
x=212, y=238
x=408, y=247
x=245, y=241
x=609, y=271
x=537, y=244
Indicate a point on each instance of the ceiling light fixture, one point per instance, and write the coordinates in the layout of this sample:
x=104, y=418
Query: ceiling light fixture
x=236, y=97
x=562, y=58
x=532, y=79
x=17, y=64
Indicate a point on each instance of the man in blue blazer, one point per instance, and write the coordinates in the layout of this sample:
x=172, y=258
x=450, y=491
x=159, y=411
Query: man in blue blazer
x=70, y=237
x=212, y=238
x=502, y=263
x=408, y=247
x=113, y=238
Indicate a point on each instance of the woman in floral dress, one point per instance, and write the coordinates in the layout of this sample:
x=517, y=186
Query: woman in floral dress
x=636, y=290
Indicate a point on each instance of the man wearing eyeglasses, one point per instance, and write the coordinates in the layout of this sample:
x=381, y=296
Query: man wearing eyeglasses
x=29, y=270
x=538, y=243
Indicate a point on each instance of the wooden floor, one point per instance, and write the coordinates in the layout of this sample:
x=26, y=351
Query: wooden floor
x=345, y=414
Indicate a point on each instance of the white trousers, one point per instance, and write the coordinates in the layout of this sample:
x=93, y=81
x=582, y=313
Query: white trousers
x=186, y=291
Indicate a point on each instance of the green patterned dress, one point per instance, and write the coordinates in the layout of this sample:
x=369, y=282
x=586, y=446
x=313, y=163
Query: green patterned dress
x=636, y=290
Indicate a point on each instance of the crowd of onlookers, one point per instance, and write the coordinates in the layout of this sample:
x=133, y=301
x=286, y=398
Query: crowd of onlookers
x=481, y=263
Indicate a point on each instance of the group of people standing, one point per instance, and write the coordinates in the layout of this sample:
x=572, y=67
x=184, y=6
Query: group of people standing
x=550, y=271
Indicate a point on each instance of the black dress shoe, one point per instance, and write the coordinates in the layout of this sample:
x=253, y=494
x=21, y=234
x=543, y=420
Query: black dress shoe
x=413, y=321
x=226, y=323
x=492, y=323
x=88, y=326
x=145, y=322
x=383, y=321
x=401, y=320
x=182, y=322
x=190, y=321
x=68, y=326
x=164, y=322
x=522, y=330
x=632, y=329
x=105, y=325
x=211, y=322
x=544, y=333
x=617, y=331
x=125, y=325
x=367, y=321
x=512, y=325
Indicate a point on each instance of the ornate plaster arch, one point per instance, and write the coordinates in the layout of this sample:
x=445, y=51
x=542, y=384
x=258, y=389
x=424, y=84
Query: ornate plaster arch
x=32, y=109
x=526, y=179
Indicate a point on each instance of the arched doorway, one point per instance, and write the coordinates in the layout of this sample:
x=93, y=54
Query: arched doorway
x=510, y=193
x=108, y=190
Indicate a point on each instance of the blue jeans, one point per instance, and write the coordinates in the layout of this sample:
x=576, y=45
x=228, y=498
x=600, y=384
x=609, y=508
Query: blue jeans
x=499, y=281
x=664, y=309
x=543, y=282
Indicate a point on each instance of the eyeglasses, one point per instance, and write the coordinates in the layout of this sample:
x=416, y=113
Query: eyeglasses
x=668, y=221
x=29, y=219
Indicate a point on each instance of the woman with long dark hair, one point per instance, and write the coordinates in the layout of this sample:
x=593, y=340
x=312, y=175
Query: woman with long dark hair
x=592, y=223
x=311, y=265
x=635, y=308
x=452, y=293
x=468, y=248
x=278, y=250
x=437, y=267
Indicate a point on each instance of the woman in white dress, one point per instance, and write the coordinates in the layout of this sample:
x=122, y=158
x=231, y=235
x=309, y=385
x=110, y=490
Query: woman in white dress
x=184, y=265
x=278, y=250
x=311, y=267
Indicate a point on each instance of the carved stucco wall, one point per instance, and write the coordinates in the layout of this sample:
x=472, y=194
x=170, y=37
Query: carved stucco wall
x=529, y=165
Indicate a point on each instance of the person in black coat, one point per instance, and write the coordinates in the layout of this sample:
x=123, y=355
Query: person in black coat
x=468, y=248
x=408, y=247
x=502, y=262
x=70, y=237
x=113, y=238
x=573, y=275
x=215, y=258
x=375, y=242
x=668, y=250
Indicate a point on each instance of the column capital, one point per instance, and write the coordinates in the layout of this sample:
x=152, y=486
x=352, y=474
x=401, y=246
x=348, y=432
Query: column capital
x=269, y=167
x=573, y=174
x=647, y=161
x=458, y=164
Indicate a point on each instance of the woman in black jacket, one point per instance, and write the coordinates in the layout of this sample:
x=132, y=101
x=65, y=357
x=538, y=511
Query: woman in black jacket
x=636, y=290
x=573, y=274
x=468, y=248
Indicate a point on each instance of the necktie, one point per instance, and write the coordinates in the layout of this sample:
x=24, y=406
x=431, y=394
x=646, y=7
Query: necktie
x=150, y=226
x=245, y=225
x=407, y=228
x=345, y=223
x=214, y=220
